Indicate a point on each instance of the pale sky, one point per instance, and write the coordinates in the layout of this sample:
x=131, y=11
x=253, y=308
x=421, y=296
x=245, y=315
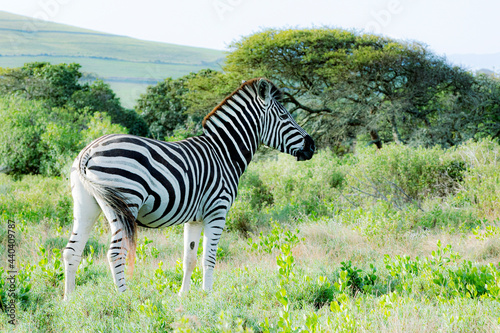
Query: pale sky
x=446, y=26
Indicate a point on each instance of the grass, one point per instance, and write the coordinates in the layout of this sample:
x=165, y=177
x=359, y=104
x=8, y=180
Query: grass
x=245, y=286
x=323, y=256
x=25, y=35
x=128, y=92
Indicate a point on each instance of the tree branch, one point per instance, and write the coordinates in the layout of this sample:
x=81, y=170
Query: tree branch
x=298, y=105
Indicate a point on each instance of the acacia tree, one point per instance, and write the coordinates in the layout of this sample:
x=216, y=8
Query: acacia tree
x=206, y=89
x=343, y=83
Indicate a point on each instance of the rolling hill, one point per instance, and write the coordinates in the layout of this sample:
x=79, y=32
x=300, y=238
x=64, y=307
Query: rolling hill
x=129, y=65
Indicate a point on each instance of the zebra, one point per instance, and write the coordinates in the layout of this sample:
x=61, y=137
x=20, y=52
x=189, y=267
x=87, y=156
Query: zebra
x=138, y=181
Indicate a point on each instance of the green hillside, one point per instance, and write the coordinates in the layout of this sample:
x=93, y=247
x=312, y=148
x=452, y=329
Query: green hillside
x=129, y=65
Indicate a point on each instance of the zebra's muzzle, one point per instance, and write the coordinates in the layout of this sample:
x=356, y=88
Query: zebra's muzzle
x=307, y=152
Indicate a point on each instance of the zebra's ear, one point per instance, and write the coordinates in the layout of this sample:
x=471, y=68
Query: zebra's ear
x=263, y=89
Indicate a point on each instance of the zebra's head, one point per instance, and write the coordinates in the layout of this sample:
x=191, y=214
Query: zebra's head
x=280, y=130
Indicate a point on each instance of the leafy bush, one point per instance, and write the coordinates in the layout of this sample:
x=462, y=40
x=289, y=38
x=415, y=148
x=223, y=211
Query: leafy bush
x=444, y=275
x=440, y=216
x=26, y=200
x=274, y=239
x=60, y=144
x=22, y=124
x=162, y=106
x=185, y=130
x=98, y=125
x=241, y=218
x=403, y=174
x=480, y=184
x=34, y=139
x=259, y=193
x=98, y=97
x=282, y=189
x=357, y=280
x=317, y=292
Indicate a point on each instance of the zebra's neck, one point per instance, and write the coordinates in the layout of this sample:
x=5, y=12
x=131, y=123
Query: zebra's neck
x=234, y=127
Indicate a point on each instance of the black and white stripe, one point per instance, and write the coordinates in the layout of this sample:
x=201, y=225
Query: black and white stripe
x=155, y=184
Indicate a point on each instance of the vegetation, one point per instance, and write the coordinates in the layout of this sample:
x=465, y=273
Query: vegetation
x=47, y=117
x=34, y=140
x=332, y=245
x=172, y=106
x=392, y=226
x=129, y=65
x=162, y=107
x=59, y=86
x=343, y=84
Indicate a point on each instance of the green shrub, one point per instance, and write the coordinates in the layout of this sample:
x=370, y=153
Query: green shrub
x=442, y=274
x=441, y=216
x=402, y=174
x=27, y=200
x=283, y=189
x=259, y=193
x=22, y=124
x=59, y=145
x=337, y=179
x=61, y=142
x=274, y=239
x=357, y=280
x=317, y=292
x=481, y=181
x=35, y=139
x=241, y=218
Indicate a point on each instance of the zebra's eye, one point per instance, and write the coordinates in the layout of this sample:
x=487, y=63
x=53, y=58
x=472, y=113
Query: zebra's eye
x=283, y=116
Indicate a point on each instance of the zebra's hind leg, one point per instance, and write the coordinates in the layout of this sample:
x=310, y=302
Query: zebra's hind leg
x=85, y=213
x=118, y=248
x=192, y=232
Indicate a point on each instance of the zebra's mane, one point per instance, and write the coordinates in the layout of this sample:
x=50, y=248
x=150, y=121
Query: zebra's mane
x=276, y=93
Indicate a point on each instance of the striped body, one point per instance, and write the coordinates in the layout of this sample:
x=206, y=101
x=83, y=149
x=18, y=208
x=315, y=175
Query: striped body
x=150, y=183
x=168, y=183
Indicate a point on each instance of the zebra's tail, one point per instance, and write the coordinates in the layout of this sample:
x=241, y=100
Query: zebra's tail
x=114, y=198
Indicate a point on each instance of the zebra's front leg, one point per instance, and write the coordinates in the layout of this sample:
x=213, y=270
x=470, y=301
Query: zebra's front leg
x=211, y=236
x=192, y=232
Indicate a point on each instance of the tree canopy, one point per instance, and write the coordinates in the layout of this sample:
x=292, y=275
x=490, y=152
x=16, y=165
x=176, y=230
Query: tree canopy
x=162, y=107
x=175, y=103
x=343, y=84
x=59, y=86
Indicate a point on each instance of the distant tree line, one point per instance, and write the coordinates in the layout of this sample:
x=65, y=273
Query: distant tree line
x=344, y=87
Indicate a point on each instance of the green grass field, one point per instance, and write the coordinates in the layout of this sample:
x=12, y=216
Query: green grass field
x=398, y=240
x=117, y=59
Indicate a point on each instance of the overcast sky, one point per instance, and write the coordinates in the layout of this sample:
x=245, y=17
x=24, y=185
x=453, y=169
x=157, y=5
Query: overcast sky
x=446, y=26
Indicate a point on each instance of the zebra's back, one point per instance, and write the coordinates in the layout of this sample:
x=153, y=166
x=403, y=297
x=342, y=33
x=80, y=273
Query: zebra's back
x=166, y=182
